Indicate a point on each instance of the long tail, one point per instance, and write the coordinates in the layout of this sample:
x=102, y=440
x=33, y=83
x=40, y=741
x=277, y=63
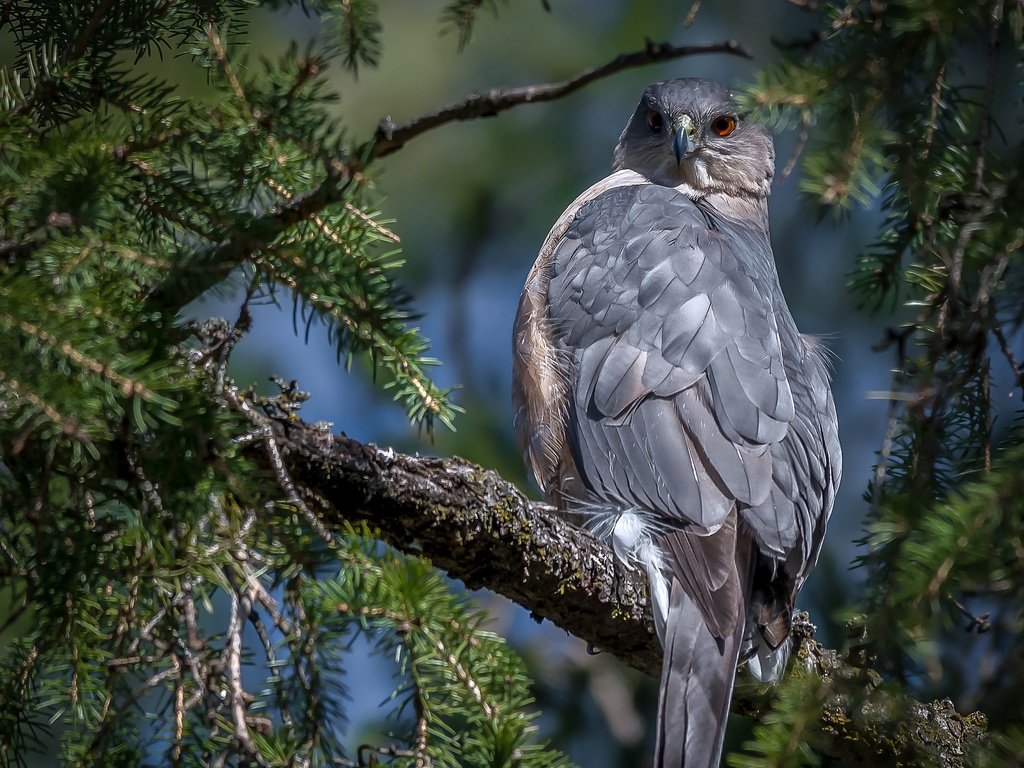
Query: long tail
x=697, y=676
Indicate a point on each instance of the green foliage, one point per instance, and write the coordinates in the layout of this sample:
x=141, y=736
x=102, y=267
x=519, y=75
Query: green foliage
x=467, y=693
x=784, y=737
x=461, y=16
x=899, y=101
x=150, y=559
x=358, y=31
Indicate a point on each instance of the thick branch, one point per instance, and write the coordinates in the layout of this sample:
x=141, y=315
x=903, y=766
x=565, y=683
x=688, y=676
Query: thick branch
x=391, y=137
x=482, y=530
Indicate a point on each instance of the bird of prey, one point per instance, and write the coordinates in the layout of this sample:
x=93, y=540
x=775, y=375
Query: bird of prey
x=663, y=392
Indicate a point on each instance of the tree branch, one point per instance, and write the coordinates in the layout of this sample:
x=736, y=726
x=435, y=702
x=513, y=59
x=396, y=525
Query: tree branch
x=391, y=137
x=251, y=233
x=481, y=530
x=484, y=531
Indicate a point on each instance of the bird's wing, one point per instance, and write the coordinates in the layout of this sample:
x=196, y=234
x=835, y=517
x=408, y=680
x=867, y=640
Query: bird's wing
x=789, y=526
x=538, y=381
x=679, y=388
x=806, y=468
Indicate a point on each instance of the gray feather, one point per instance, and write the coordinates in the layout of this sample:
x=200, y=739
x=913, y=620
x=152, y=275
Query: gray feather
x=699, y=668
x=619, y=383
x=644, y=336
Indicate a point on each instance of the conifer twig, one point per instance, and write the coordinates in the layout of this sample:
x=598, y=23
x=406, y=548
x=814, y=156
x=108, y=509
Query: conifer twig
x=984, y=126
x=967, y=231
x=69, y=426
x=391, y=137
x=460, y=671
x=268, y=649
x=179, y=707
x=91, y=26
x=799, y=147
x=1011, y=359
x=691, y=16
x=240, y=607
x=420, y=732
x=277, y=464
x=324, y=227
x=128, y=387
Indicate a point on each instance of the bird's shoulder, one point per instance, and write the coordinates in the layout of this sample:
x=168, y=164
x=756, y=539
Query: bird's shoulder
x=629, y=209
x=650, y=234
x=647, y=261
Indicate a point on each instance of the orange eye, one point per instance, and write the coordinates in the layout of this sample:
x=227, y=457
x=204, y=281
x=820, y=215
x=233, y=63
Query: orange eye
x=655, y=120
x=724, y=125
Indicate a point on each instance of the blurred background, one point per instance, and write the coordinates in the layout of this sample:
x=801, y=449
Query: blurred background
x=472, y=203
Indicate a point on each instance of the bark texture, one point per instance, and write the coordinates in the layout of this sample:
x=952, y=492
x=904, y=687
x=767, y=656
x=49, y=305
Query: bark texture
x=484, y=531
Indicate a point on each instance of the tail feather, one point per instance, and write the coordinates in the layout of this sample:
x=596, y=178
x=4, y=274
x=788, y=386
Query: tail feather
x=697, y=677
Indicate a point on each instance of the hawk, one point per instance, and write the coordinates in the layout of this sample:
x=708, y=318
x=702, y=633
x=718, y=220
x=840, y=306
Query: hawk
x=663, y=393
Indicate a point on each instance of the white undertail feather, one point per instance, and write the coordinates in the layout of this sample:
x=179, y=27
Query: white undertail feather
x=632, y=534
x=766, y=665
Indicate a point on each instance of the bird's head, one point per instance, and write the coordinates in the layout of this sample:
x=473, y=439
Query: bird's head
x=689, y=131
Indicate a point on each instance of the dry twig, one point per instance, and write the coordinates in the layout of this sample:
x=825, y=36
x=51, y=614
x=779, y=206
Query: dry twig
x=391, y=137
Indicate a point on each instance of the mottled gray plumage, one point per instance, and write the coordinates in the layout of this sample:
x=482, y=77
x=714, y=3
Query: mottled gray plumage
x=663, y=390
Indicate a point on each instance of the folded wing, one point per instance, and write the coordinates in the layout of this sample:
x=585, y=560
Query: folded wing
x=678, y=389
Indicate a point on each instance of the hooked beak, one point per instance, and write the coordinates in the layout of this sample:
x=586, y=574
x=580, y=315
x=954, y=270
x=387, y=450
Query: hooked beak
x=682, y=137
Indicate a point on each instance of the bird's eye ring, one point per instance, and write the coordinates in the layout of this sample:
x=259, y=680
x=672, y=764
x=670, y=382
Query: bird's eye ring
x=655, y=120
x=724, y=125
